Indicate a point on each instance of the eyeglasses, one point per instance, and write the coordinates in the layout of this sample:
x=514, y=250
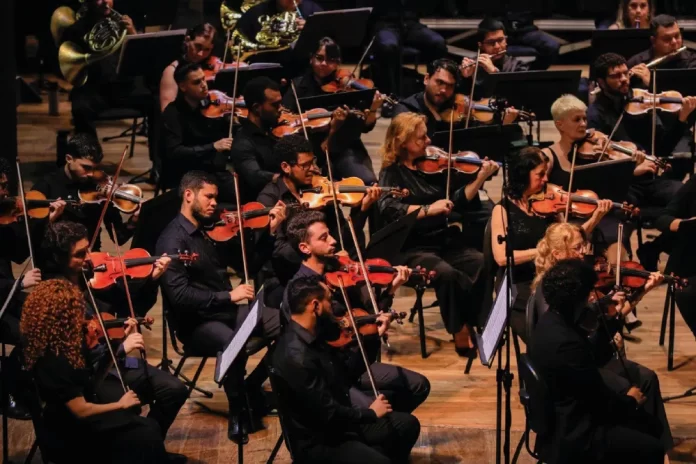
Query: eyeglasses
x=322, y=59
x=307, y=165
x=493, y=42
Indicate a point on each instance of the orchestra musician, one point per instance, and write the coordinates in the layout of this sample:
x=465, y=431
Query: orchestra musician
x=66, y=243
x=191, y=141
x=592, y=423
x=203, y=306
x=324, y=426
x=311, y=238
x=432, y=244
x=527, y=176
x=634, y=14
x=350, y=157
x=252, y=150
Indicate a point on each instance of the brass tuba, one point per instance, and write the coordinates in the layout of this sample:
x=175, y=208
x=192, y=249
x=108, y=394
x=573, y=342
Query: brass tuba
x=104, y=39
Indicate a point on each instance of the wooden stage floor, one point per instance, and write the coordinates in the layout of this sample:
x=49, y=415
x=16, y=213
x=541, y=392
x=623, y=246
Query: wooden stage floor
x=458, y=418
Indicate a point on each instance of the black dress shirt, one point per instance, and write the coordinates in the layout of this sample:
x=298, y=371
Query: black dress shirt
x=253, y=159
x=187, y=139
x=682, y=206
x=314, y=388
x=685, y=60
x=416, y=104
x=249, y=24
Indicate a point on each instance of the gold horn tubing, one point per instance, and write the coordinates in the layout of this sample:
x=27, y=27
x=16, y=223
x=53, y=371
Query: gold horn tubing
x=62, y=18
x=228, y=17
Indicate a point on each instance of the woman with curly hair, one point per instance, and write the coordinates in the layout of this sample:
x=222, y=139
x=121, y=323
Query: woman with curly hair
x=432, y=244
x=53, y=330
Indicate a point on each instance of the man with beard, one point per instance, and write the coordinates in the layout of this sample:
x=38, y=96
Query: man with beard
x=202, y=304
x=252, y=150
x=191, y=141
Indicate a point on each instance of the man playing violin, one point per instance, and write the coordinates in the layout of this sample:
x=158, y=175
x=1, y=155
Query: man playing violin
x=84, y=154
x=310, y=236
x=66, y=244
x=324, y=425
x=191, y=141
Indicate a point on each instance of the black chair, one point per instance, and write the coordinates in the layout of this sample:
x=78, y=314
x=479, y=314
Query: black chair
x=117, y=114
x=51, y=448
x=418, y=309
x=280, y=388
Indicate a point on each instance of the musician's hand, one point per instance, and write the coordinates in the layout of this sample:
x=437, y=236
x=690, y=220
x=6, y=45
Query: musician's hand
x=276, y=216
x=377, y=102
x=402, y=275
x=486, y=63
x=55, y=210
x=619, y=298
x=300, y=23
x=128, y=23
x=441, y=207
x=223, y=144
x=603, y=207
x=642, y=71
x=130, y=326
x=646, y=167
x=639, y=157
x=31, y=278
x=338, y=118
x=383, y=323
x=372, y=195
x=129, y=400
x=133, y=342
x=618, y=339
x=688, y=106
x=637, y=394
x=381, y=406
x=161, y=265
x=626, y=309
x=655, y=280
x=488, y=168
x=241, y=293
x=467, y=68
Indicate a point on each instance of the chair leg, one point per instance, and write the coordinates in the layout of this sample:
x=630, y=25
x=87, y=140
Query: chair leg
x=421, y=321
x=133, y=134
x=276, y=448
x=32, y=453
x=518, y=449
x=194, y=380
x=665, y=314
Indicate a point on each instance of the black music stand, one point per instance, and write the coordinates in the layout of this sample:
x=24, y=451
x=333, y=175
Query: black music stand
x=224, y=79
x=608, y=179
x=533, y=91
x=346, y=27
x=483, y=140
x=387, y=242
x=361, y=99
x=681, y=80
x=625, y=42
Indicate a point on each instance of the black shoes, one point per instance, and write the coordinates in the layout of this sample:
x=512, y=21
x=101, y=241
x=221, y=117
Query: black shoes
x=176, y=458
x=237, y=430
x=16, y=410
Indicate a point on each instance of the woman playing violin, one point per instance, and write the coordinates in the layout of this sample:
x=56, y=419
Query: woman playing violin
x=432, y=244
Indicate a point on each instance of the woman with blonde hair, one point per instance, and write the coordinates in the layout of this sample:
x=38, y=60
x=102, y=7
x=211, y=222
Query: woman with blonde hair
x=432, y=243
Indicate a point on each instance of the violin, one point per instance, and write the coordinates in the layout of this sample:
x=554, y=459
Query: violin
x=11, y=209
x=349, y=191
x=380, y=272
x=641, y=102
x=436, y=161
x=583, y=202
x=254, y=216
x=345, y=81
x=633, y=275
x=483, y=111
x=127, y=197
x=365, y=322
x=219, y=104
x=114, y=328
x=107, y=269
x=594, y=145
x=214, y=65
x=315, y=119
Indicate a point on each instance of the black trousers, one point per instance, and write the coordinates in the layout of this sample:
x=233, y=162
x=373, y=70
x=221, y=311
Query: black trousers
x=656, y=192
x=11, y=366
x=214, y=336
x=686, y=302
x=161, y=390
x=389, y=440
x=405, y=389
x=627, y=442
x=354, y=161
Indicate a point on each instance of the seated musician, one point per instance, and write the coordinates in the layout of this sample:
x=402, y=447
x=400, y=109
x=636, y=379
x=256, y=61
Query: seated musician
x=53, y=321
x=527, y=177
x=84, y=154
x=252, y=150
x=591, y=423
x=432, y=244
x=298, y=167
x=323, y=425
x=311, y=238
x=634, y=14
x=67, y=244
x=348, y=153
x=197, y=47
x=203, y=306
x=191, y=141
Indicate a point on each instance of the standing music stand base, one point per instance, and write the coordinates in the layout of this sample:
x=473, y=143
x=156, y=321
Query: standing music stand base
x=669, y=313
x=5, y=397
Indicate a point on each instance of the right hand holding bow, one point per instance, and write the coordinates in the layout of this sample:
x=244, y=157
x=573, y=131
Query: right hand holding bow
x=223, y=144
x=241, y=293
x=441, y=207
x=381, y=406
x=129, y=400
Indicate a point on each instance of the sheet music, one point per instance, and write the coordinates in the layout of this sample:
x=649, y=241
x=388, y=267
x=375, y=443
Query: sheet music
x=495, y=325
x=238, y=342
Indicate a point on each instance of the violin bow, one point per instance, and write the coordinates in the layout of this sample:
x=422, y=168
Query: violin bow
x=227, y=44
x=234, y=89
x=449, y=155
x=570, y=182
x=241, y=227
x=473, y=86
x=110, y=197
x=654, y=111
x=619, y=242
x=335, y=199
x=299, y=109
x=362, y=58
x=611, y=137
x=20, y=185
x=358, y=337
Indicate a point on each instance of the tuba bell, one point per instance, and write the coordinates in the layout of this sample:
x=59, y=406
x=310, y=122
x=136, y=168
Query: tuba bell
x=104, y=39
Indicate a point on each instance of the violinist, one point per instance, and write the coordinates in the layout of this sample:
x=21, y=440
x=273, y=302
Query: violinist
x=592, y=423
x=432, y=244
x=252, y=151
x=197, y=47
x=324, y=425
x=67, y=245
x=202, y=304
x=526, y=178
x=189, y=140
x=84, y=154
x=348, y=153
x=311, y=238
x=52, y=324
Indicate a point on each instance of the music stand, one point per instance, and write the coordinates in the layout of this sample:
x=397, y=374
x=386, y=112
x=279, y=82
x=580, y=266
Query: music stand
x=489, y=340
x=483, y=140
x=625, y=42
x=388, y=241
x=681, y=80
x=608, y=179
x=148, y=54
x=224, y=79
x=346, y=27
x=533, y=91
x=361, y=99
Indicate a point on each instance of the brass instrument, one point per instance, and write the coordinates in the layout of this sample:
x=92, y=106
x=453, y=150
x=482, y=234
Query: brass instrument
x=276, y=34
x=229, y=16
x=104, y=39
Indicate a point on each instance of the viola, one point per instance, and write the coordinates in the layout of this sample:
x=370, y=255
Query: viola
x=114, y=328
x=349, y=191
x=315, y=119
x=633, y=275
x=11, y=209
x=219, y=104
x=595, y=143
x=214, y=65
x=483, y=111
x=127, y=197
x=345, y=81
x=365, y=322
x=583, y=202
x=379, y=271
x=254, y=216
x=642, y=101
x=436, y=161
x=107, y=269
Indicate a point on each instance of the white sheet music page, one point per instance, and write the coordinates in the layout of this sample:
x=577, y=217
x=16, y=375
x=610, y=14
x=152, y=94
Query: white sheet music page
x=496, y=323
x=238, y=341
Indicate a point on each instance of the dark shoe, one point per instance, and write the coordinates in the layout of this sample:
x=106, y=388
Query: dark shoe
x=236, y=431
x=631, y=326
x=649, y=255
x=176, y=458
x=17, y=410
